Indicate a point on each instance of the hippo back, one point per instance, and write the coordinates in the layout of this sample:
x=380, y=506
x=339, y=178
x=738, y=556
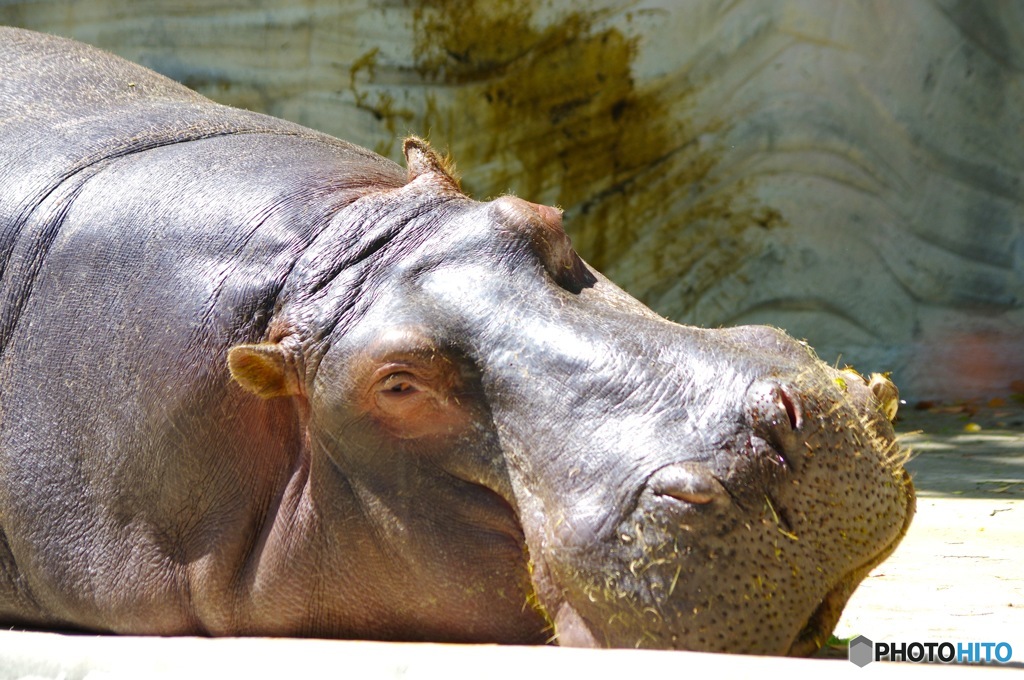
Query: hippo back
x=69, y=111
x=82, y=105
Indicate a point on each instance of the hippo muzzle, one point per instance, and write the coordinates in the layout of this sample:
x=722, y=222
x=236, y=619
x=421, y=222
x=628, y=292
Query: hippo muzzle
x=746, y=518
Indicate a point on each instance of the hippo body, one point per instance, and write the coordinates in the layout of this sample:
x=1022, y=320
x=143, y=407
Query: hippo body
x=255, y=380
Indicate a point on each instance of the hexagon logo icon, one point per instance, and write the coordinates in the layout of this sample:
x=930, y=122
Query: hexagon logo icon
x=862, y=651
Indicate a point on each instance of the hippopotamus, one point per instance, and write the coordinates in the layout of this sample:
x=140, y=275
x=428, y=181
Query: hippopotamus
x=255, y=380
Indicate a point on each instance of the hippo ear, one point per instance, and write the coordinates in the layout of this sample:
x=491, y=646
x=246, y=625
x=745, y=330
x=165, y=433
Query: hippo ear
x=423, y=160
x=267, y=369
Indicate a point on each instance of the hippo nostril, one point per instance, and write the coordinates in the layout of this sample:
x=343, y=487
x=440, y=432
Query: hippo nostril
x=689, y=482
x=792, y=411
x=776, y=417
x=694, y=497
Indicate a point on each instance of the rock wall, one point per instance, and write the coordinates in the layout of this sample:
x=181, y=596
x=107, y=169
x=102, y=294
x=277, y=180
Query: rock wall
x=850, y=172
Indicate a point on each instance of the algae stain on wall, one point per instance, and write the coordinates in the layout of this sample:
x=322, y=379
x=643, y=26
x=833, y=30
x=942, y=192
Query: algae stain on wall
x=550, y=110
x=559, y=100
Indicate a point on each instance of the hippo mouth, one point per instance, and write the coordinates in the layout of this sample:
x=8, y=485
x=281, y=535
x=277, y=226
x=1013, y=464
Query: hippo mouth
x=574, y=628
x=824, y=619
x=697, y=565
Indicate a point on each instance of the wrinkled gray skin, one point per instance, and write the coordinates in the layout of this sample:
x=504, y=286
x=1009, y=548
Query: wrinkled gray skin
x=258, y=381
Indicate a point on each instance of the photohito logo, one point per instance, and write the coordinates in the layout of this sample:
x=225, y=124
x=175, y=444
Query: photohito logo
x=863, y=651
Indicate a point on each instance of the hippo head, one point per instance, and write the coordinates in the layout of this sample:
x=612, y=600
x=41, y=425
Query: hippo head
x=505, y=446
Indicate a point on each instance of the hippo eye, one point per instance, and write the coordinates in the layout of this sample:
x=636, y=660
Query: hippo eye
x=412, y=396
x=399, y=384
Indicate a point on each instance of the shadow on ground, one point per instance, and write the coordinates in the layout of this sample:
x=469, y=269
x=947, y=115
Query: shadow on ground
x=965, y=451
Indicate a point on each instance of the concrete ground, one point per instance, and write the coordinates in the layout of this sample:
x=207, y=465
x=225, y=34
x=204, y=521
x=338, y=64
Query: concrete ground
x=957, y=577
